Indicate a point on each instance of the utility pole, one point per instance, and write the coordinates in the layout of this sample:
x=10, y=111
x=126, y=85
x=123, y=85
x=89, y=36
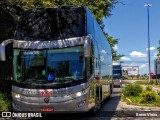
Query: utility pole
x=149, y=66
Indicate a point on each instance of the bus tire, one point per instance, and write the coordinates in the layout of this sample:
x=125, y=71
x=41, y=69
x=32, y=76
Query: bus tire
x=97, y=106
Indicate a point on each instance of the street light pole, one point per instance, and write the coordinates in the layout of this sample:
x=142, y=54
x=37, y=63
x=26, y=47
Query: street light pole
x=149, y=66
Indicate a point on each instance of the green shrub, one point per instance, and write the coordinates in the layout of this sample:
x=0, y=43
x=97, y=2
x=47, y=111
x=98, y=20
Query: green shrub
x=148, y=96
x=158, y=92
x=132, y=90
x=4, y=103
x=149, y=88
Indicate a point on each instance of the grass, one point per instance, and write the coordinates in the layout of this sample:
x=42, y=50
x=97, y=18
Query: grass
x=136, y=101
x=146, y=97
x=5, y=104
x=146, y=82
x=135, y=78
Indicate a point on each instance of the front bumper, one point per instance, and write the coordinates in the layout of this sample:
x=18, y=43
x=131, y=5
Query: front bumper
x=117, y=83
x=78, y=104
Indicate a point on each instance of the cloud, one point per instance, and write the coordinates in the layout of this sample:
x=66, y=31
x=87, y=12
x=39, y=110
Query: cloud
x=103, y=51
x=125, y=58
x=137, y=54
x=142, y=66
x=115, y=47
x=151, y=48
x=101, y=58
x=155, y=55
x=129, y=64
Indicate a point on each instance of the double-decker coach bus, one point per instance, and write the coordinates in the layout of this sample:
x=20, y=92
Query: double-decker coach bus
x=61, y=61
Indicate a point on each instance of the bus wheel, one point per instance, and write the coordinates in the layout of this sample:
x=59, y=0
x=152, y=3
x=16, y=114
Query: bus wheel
x=97, y=106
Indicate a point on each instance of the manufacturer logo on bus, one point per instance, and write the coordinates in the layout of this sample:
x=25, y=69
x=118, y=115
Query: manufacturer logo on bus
x=46, y=93
x=46, y=100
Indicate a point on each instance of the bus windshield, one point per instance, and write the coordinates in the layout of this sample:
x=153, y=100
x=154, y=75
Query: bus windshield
x=117, y=76
x=117, y=73
x=55, y=66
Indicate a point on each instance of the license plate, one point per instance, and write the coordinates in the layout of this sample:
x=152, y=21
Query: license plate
x=46, y=109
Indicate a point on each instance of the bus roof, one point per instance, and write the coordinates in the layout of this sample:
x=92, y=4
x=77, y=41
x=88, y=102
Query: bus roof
x=116, y=63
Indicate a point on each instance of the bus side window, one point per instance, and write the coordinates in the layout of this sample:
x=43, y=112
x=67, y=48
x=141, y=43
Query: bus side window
x=97, y=67
x=90, y=64
x=88, y=67
x=91, y=60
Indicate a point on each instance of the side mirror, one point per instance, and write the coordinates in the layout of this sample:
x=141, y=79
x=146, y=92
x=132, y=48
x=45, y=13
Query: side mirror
x=2, y=53
x=3, y=49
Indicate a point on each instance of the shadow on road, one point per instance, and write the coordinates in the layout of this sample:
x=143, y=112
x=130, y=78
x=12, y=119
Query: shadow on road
x=109, y=107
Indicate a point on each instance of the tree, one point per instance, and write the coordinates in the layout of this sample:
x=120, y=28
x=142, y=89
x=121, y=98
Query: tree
x=100, y=8
x=158, y=50
x=11, y=10
x=113, y=42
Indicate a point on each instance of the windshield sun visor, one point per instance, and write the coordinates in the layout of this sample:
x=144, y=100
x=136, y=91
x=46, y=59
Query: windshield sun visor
x=49, y=44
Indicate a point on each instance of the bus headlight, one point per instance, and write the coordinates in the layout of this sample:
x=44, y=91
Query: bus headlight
x=78, y=94
x=17, y=96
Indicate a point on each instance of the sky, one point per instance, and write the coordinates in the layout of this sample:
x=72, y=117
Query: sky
x=129, y=24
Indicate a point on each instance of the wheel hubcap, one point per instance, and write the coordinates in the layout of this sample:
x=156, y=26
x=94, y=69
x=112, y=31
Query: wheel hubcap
x=97, y=105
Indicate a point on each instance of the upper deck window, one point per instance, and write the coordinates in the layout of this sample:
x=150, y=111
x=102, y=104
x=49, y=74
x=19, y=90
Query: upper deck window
x=51, y=23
